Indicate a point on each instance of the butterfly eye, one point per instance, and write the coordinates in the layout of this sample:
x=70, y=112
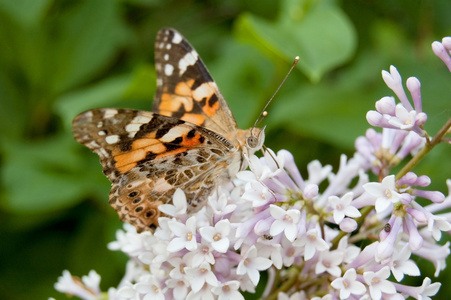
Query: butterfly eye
x=252, y=141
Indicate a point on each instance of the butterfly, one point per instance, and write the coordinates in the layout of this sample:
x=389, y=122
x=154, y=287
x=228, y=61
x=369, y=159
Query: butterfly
x=189, y=141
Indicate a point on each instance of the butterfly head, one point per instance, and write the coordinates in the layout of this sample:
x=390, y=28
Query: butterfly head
x=255, y=139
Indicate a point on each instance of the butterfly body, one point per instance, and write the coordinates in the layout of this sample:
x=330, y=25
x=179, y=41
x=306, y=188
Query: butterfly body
x=190, y=140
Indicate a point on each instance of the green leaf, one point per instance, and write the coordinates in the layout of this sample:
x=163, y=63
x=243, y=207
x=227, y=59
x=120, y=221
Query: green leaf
x=25, y=12
x=103, y=94
x=245, y=83
x=46, y=176
x=87, y=38
x=320, y=33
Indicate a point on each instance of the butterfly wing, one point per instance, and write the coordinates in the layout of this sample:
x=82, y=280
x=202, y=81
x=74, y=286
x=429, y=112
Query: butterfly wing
x=185, y=88
x=147, y=156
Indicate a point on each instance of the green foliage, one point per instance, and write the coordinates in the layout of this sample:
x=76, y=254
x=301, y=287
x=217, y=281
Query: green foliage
x=58, y=58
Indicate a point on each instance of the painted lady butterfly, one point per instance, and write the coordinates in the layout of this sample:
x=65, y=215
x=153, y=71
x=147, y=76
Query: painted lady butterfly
x=190, y=141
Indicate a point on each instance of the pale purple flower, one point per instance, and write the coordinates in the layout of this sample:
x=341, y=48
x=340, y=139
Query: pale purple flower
x=386, y=247
x=442, y=50
x=348, y=284
x=394, y=81
x=348, y=225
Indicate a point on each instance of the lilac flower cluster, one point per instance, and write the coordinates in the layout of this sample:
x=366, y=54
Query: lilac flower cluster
x=309, y=241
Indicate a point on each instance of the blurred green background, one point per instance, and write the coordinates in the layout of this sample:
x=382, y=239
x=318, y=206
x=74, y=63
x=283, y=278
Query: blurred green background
x=60, y=57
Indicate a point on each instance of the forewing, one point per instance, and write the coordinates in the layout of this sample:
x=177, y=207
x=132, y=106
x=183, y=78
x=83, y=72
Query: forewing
x=185, y=88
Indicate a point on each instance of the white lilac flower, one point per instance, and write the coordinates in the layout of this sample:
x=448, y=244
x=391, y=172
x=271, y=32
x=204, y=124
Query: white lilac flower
x=179, y=288
x=205, y=293
x=201, y=275
x=348, y=284
x=217, y=236
x=423, y=292
x=186, y=235
x=436, y=254
x=272, y=250
x=228, y=290
x=342, y=207
x=312, y=243
x=203, y=253
x=284, y=221
x=400, y=263
x=128, y=291
x=329, y=262
x=86, y=289
x=427, y=289
x=179, y=206
x=385, y=193
x=378, y=283
x=251, y=264
x=149, y=286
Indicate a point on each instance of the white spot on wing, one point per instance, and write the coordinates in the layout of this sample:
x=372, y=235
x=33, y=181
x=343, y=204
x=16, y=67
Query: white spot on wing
x=174, y=133
x=92, y=144
x=166, y=56
x=177, y=38
x=141, y=119
x=109, y=113
x=168, y=69
x=168, y=46
x=188, y=60
x=101, y=132
x=112, y=139
x=159, y=82
x=132, y=127
x=103, y=152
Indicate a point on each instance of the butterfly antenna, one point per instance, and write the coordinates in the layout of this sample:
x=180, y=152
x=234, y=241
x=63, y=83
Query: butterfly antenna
x=264, y=113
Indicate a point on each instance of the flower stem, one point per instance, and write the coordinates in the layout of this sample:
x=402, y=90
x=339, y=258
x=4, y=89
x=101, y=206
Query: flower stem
x=427, y=148
x=293, y=276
